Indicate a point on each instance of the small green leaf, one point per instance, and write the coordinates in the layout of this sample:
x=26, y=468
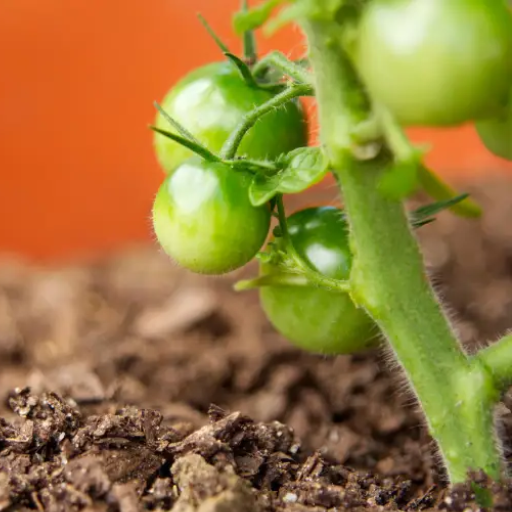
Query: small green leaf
x=301, y=168
x=243, y=68
x=437, y=207
x=436, y=188
x=254, y=18
x=420, y=223
x=218, y=41
x=177, y=126
x=189, y=144
x=425, y=214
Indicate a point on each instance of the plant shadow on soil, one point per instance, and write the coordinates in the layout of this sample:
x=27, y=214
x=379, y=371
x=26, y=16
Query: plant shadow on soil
x=129, y=385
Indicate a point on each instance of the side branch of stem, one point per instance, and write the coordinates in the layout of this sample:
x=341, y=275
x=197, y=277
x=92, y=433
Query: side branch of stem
x=231, y=146
x=498, y=360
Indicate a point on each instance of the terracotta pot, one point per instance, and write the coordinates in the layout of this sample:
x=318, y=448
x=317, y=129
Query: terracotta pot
x=78, y=82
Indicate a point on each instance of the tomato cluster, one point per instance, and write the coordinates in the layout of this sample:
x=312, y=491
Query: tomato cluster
x=427, y=62
x=202, y=214
x=204, y=219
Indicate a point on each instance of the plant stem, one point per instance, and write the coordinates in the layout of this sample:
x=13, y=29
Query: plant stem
x=231, y=146
x=498, y=359
x=250, y=48
x=272, y=280
x=279, y=61
x=388, y=278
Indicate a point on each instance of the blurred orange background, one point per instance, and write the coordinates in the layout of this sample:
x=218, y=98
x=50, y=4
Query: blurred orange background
x=78, y=81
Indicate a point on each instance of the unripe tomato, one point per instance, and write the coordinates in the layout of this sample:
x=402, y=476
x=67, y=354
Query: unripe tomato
x=436, y=62
x=313, y=318
x=204, y=220
x=211, y=101
x=496, y=133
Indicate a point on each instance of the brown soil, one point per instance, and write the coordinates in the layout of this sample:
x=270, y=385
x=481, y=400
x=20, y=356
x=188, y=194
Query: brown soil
x=131, y=385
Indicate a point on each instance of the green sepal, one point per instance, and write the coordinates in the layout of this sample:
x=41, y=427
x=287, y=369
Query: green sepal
x=177, y=126
x=425, y=214
x=218, y=41
x=243, y=68
x=198, y=149
x=248, y=77
x=437, y=189
x=254, y=18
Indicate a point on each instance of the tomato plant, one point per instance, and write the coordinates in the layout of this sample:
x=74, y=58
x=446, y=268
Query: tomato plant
x=332, y=281
x=211, y=101
x=496, y=133
x=315, y=319
x=436, y=62
x=204, y=220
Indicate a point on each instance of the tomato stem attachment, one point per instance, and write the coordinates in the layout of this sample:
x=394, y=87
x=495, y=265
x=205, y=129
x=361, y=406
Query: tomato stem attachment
x=404, y=151
x=280, y=62
x=389, y=280
x=243, y=68
x=232, y=144
x=300, y=265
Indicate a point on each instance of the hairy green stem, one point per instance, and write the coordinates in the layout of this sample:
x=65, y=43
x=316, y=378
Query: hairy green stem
x=498, y=359
x=395, y=136
x=279, y=61
x=389, y=280
x=250, y=47
x=231, y=146
x=271, y=280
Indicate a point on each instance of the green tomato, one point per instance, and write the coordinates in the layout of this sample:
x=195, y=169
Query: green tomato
x=436, y=62
x=316, y=319
x=496, y=134
x=211, y=101
x=204, y=220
